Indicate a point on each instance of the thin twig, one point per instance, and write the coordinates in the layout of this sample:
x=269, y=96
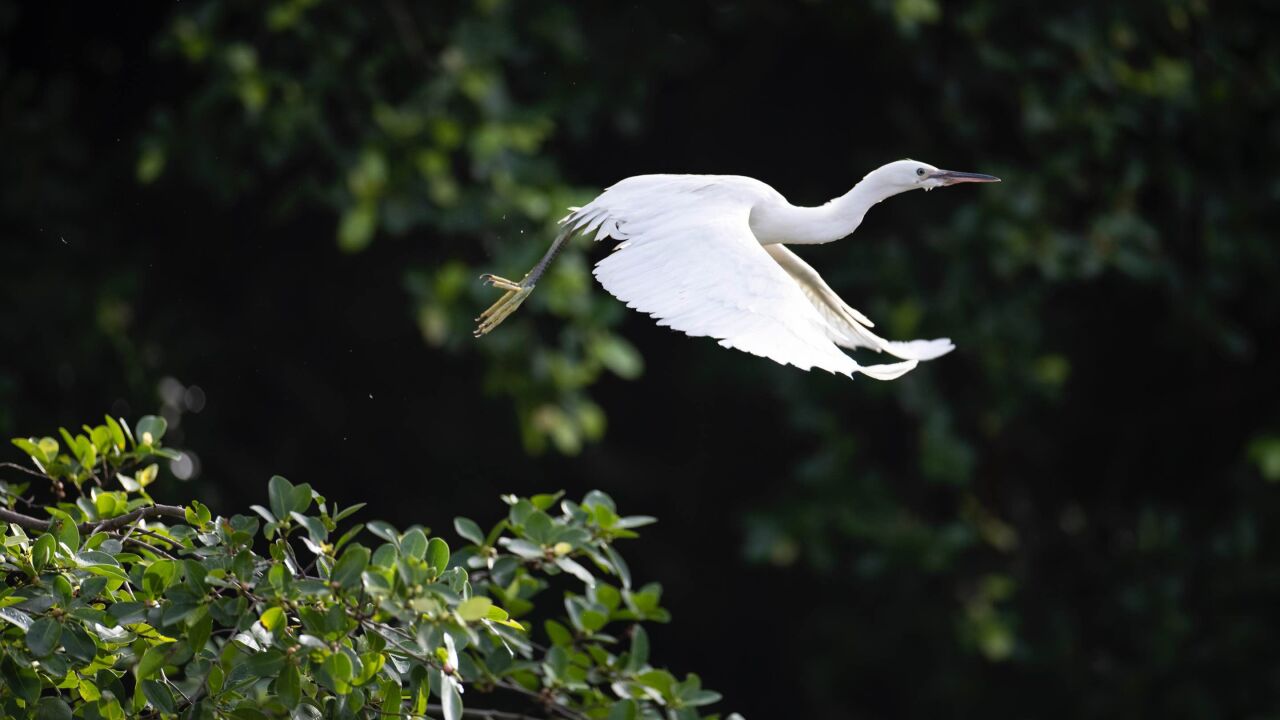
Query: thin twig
x=18, y=498
x=484, y=714
x=156, y=535
x=23, y=469
x=552, y=707
x=173, y=511
x=141, y=544
x=31, y=523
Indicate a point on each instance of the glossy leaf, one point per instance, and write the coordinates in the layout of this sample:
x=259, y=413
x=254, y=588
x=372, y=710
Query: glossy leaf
x=43, y=636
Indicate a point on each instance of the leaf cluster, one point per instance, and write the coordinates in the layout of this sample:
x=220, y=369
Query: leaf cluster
x=118, y=607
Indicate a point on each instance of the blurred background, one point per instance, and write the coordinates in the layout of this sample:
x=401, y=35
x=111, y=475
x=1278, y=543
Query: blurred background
x=266, y=219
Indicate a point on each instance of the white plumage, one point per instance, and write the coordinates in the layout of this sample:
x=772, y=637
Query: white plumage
x=705, y=255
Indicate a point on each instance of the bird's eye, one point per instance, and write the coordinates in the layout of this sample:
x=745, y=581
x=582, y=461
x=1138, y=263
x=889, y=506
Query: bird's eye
x=919, y=172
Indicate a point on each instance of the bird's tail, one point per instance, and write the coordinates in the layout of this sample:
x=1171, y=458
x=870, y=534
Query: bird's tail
x=919, y=349
x=888, y=371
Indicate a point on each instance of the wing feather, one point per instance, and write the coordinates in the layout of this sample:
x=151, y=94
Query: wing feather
x=848, y=327
x=688, y=258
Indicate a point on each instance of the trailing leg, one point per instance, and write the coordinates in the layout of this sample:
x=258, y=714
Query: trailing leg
x=516, y=292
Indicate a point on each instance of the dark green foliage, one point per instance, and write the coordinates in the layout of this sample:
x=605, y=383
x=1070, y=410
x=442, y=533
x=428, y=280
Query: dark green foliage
x=288, y=614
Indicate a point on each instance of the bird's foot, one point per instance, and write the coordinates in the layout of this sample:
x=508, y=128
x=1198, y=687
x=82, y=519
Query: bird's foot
x=507, y=304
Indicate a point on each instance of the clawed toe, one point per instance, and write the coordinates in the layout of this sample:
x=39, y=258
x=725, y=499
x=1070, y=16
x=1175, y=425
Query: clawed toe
x=500, y=282
x=507, y=304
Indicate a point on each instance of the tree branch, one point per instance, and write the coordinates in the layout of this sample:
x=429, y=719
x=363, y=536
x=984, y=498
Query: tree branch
x=23, y=469
x=31, y=523
x=150, y=511
x=484, y=714
x=141, y=544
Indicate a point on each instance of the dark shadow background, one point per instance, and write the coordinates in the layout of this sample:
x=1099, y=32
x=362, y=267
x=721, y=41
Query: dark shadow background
x=264, y=220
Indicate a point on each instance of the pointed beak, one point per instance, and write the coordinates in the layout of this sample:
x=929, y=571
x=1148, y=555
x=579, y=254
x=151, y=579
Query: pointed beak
x=951, y=177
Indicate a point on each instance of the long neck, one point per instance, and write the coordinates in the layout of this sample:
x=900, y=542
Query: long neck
x=786, y=223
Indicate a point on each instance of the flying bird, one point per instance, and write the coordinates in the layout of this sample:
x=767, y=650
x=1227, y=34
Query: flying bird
x=707, y=255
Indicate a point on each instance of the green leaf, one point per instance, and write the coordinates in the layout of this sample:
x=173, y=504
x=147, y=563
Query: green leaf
x=419, y=689
x=147, y=475
x=158, y=694
x=623, y=710
x=33, y=449
x=348, y=535
x=152, y=660
x=265, y=664
x=659, y=680
x=546, y=500
x=43, y=636
x=469, y=530
x=52, y=708
x=523, y=548
x=339, y=668
x=300, y=498
x=77, y=642
x=127, y=613
x=595, y=498
x=558, y=633
x=197, y=515
x=370, y=664
x=347, y=512
x=357, y=226
x=384, y=530
x=116, y=432
x=315, y=528
x=698, y=697
x=619, y=566
x=593, y=621
x=619, y=356
x=574, y=568
x=606, y=595
x=65, y=530
x=88, y=690
x=272, y=618
x=105, y=504
x=635, y=521
x=639, y=656
x=150, y=429
x=538, y=527
x=519, y=511
x=348, y=569
x=438, y=555
x=110, y=572
x=85, y=452
x=158, y=576
x=42, y=551
x=474, y=608
x=279, y=495
x=19, y=682
x=413, y=544
x=200, y=630
x=390, y=695
x=289, y=686
x=92, y=587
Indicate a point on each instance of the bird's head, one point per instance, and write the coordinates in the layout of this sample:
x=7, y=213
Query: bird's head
x=906, y=175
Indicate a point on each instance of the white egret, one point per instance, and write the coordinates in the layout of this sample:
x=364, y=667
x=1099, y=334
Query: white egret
x=707, y=255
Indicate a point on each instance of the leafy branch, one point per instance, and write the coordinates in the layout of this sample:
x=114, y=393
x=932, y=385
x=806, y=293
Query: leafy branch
x=117, y=606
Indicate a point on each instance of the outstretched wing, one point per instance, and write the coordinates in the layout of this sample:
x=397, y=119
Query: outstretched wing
x=688, y=258
x=848, y=327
